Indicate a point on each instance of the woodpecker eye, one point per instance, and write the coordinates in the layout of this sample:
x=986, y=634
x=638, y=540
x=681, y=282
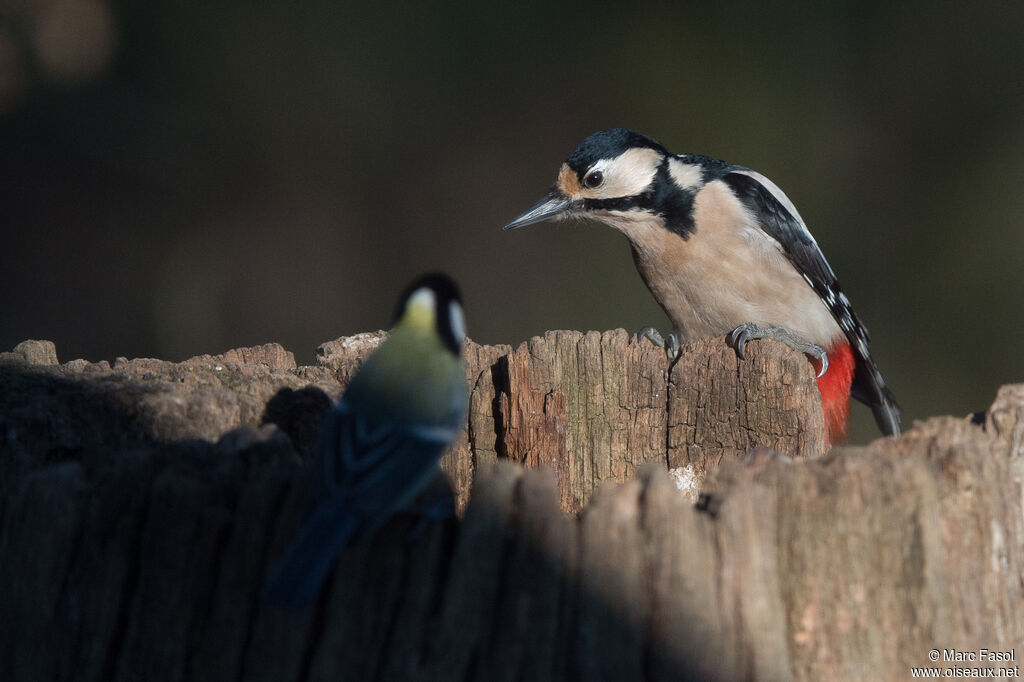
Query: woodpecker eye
x=593, y=179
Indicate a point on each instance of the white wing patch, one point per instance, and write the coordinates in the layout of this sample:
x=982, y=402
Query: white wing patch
x=781, y=197
x=776, y=192
x=837, y=302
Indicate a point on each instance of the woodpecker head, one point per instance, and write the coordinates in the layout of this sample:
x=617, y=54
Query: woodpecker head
x=614, y=176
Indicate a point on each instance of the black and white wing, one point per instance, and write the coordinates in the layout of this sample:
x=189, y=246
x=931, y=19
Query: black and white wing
x=778, y=218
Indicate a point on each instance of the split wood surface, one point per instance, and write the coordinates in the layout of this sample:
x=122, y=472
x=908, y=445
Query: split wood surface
x=141, y=503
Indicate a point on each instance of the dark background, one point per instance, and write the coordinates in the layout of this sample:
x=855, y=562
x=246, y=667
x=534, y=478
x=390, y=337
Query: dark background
x=179, y=178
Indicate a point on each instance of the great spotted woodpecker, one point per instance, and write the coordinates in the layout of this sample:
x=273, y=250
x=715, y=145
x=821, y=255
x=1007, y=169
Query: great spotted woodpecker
x=725, y=252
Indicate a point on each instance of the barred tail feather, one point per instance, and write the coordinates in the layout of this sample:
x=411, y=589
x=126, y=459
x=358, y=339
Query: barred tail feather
x=887, y=413
x=869, y=388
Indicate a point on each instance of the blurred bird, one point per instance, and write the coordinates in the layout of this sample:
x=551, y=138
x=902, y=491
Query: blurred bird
x=379, y=447
x=724, y=251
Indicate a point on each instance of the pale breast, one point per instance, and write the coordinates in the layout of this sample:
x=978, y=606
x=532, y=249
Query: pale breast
x=727, y=273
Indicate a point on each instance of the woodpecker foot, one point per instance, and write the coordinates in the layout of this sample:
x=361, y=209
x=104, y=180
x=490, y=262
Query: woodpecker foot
x=671, y=344
x=746, y=332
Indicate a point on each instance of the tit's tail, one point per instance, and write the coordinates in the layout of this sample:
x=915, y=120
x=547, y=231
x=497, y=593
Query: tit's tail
x=295, y=580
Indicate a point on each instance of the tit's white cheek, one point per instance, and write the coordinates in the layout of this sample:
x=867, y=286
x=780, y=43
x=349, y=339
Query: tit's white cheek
x=457, y=321
x=423, y=298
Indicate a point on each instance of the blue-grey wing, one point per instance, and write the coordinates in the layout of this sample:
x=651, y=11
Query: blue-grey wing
x=375, y=467
x=366, y=472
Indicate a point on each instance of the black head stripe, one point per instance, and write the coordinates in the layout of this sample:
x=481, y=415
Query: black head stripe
x=616, y=204
x=665, y=199
x=608, y=144
x=672, y=202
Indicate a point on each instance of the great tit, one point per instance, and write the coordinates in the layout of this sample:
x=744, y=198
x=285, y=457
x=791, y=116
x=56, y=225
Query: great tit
x=379, y=447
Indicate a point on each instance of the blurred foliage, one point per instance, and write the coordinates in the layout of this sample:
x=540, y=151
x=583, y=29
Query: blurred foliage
x=180, y=178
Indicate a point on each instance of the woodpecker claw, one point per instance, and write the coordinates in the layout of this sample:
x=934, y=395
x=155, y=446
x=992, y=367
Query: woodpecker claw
x=652, y=335
x=739, y=336
x=738, y=339
x=670, y=345
x=823, y=358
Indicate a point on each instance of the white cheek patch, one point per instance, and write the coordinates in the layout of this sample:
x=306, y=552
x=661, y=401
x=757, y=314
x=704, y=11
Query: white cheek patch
x=628, y=174
x=423, y=299
x=457, y=321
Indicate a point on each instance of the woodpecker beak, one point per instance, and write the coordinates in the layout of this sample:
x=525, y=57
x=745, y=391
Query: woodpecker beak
x=554, y=204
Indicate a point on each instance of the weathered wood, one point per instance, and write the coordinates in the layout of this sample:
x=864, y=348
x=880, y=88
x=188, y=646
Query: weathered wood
x=140, y=505
x=721, y=407
x=479, y=443
x=590, y=406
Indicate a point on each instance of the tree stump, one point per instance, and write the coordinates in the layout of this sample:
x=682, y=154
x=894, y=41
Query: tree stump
x=141, y=503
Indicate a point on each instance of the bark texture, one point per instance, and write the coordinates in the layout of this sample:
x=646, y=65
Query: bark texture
x=140, y=504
